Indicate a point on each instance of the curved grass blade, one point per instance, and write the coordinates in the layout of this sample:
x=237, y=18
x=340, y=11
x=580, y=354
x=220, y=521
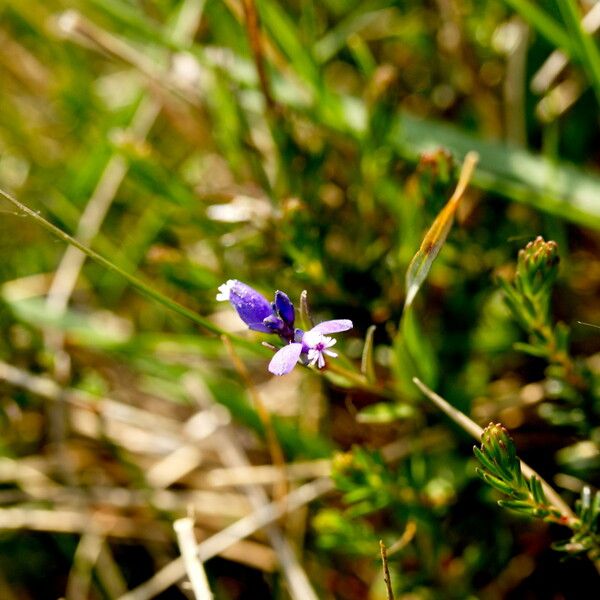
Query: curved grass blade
x=438, y=232
x=136, y=282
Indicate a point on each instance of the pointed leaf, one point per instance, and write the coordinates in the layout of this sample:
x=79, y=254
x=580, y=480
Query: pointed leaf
x=519, y=506
x=495, y=482
x=438, y=232
x=306, y=320
x=537, y=491
x=530, y=349
x=485, y=461
x=366, y=366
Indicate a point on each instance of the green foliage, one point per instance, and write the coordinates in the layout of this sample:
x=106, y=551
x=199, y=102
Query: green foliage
x=586, y=537
x=501, y=469
x=175, y=152
x=529, y=297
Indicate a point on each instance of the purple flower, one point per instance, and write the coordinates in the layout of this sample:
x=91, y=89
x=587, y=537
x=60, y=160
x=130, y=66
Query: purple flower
x=257, y=312
x=314, y=344
x=252, y=307
x=278, y=317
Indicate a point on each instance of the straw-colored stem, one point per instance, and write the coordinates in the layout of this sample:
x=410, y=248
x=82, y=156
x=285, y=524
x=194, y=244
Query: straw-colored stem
x=476, y=431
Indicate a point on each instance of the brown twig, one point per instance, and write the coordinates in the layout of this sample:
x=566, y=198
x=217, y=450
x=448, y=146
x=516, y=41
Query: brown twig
x=254, y=37
x=386, y=571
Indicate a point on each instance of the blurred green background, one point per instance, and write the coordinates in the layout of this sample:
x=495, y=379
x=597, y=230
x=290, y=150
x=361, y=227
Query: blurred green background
x=297, y=146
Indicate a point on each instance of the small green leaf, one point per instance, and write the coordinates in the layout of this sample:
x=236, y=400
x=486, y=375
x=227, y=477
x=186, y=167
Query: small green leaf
x=366, y=366
x=383, y=412
x=537, y=491
x=521, y=506
x=538, y=351
x=495, y=482
x=485, y=461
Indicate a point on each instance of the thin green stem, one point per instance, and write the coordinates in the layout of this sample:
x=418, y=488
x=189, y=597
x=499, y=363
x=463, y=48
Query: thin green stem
x=136, y=282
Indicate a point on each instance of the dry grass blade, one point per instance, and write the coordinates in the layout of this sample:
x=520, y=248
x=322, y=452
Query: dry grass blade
x=475, y=431
x=266, y=474
x=239, y=530
x=74, y=521
x=184, y=529
x=233, y=456
x=86, y=556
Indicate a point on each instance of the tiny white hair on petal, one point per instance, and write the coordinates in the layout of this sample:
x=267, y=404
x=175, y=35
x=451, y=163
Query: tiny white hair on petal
x=225, y=290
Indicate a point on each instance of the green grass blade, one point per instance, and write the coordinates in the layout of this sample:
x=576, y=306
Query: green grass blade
x=136, y=282
x=552, y=187
x=589, y=55
x=545, y=24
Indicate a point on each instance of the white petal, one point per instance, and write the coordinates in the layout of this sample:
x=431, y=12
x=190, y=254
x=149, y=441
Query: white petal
x=334, y=326
x=328, y=341
x=313, y=356
x=285, y=359
x=225, y=290
x=312, y=338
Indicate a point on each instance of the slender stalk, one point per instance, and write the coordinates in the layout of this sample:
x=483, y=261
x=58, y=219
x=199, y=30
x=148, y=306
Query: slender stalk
x=136, y=282
x=475, y=431
x=386, y=571
x=254, y=36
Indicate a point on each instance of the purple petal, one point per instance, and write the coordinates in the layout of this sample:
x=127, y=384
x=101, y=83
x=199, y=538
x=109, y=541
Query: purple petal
x=334, y=326
x=285, y=359
x=273, y=324
x=251, y=306
x=259, y=327
x=285, y=308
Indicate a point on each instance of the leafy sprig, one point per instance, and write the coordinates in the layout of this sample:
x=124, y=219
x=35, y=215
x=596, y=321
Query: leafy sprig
x=501, y=468
x=529, y=298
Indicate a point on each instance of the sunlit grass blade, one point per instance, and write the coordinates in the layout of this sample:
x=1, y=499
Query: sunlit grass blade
x=545, y=24
x=589, y=55
x=438, y=232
